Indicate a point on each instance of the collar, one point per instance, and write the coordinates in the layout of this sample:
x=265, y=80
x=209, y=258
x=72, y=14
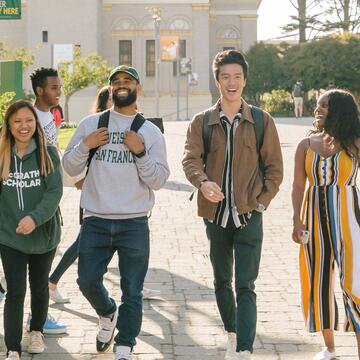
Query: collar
x=245, y=114
x=31, y=148
x=223, y=116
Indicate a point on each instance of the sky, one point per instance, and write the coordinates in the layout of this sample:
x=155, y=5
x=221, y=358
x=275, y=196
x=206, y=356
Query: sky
x=272, y=17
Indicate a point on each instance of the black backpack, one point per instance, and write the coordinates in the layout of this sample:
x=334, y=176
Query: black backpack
x=258, y=116
x=135, y=126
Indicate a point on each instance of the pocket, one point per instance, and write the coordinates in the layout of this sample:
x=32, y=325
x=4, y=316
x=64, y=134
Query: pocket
x=249, y=142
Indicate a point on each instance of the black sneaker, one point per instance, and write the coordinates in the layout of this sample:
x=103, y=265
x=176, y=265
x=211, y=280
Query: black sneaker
x=105, y=335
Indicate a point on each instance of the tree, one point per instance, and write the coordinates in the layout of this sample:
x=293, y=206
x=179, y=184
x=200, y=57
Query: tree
x=317, y=17
x=81, y=73
x=340, y=15
x=264, y=70
x=21, y=54
x=304, y=20
x=332, y=58
x=5, y=99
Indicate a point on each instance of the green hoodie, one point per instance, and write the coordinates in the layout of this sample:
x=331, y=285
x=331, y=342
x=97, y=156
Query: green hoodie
x=26, y=192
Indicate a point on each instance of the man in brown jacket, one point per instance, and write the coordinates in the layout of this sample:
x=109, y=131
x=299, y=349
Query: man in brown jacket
x=233, y=193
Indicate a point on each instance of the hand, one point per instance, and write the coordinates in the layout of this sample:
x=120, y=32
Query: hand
x=97, y=138
x=211, y=191
x=134, y=142
x=296, y=234
x=79, y=184
x=26, y=226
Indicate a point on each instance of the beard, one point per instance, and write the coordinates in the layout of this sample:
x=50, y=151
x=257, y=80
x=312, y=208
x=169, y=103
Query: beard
x=123, y=102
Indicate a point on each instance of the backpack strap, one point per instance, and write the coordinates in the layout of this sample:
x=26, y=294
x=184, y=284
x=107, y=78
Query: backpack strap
x=258, y=116
x=102, y=122
x=207, y=133
x=137, y=123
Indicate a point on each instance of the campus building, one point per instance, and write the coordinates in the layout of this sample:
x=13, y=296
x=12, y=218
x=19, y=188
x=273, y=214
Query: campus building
x=123, y=31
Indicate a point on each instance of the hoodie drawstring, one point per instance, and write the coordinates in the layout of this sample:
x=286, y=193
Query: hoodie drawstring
x=19, y=188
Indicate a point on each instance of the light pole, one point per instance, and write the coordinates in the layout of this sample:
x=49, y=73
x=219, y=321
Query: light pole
x=156, y=16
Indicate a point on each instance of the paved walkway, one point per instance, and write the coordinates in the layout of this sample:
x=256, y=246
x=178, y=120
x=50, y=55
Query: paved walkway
x=183, y=323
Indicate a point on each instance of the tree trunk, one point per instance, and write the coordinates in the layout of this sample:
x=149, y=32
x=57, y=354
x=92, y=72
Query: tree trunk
x=67, y=98
x=346, y=22
x=302, y=20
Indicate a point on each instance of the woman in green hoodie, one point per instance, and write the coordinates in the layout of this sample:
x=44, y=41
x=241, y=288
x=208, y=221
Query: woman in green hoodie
x=30, y=192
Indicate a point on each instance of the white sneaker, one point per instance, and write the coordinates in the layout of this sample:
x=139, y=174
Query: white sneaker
x=325, y=355
x=149, y=293
x=231, y=347
x=244, y=355
x=56, y=297
x=123, y=352
x=106, y=331
x=13, y=355
x=36, y=342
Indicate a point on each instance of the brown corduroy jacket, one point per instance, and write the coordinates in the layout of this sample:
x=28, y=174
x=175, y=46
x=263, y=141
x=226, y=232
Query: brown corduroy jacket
x=250, y=188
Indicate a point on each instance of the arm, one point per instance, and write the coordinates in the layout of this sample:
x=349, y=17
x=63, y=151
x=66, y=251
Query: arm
x=153, y=168
x=77, y=151
x=298, y=189
x=192, y=162
x=272, y=160
x=47, y=207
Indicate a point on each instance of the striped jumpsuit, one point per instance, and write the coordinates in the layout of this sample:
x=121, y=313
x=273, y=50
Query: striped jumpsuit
x=331, y=212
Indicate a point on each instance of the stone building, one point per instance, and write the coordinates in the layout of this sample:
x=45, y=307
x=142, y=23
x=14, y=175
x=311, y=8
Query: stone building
x=122, y=31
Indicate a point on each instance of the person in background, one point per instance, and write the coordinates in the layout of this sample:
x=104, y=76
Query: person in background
x=329, y=210
x=46, y=85
x=102, y=102
x=31, y=189
x=298, y=96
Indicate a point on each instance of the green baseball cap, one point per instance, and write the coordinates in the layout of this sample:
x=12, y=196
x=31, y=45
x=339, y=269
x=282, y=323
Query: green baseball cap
x=125, y=69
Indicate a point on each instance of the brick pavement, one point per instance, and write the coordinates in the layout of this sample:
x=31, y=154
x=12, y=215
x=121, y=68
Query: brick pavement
x=183, y=323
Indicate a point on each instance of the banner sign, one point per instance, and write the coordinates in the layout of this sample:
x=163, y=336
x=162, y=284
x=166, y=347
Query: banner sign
x=62, y=53
x=169, y=48
x=10, y=9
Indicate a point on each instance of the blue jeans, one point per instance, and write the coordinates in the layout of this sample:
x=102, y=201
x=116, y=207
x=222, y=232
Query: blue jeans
x=99, y=240
x=68, y=258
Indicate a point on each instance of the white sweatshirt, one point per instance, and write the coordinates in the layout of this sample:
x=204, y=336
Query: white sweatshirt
x=118, y=184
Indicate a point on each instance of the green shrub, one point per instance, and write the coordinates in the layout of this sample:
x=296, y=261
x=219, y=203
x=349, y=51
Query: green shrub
x=5, y=100
x=278, y=102
x=65, y=125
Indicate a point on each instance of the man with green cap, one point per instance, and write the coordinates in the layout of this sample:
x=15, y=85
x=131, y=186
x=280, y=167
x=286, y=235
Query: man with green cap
x=117, y=196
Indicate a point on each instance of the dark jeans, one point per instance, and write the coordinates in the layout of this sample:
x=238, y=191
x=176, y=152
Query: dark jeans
x=99, y=240
x=15, y=269
x=68, y=258
x=245, y=246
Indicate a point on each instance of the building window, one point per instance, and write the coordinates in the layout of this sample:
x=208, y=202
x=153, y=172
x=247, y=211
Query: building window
x=44, y=36
x=182, y=54
x=150, y=57
x=125, y=52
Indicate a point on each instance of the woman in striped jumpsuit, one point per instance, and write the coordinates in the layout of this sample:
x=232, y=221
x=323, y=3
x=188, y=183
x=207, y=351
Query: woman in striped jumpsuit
x=330, y=210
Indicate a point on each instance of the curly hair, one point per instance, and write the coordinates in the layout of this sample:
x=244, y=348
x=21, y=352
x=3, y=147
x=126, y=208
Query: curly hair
x=39, y=76
x=343, y=121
